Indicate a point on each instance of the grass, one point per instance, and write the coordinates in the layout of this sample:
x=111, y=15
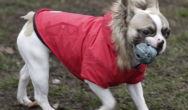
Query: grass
x=6, y=62
x=2, y=34
x=165, y=84
x=8, y=82
x=183, y=12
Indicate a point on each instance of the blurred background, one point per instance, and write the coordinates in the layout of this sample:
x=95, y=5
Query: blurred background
x=165, y=83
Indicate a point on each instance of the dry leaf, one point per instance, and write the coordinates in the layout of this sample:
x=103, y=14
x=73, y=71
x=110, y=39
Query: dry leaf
x=34, y=104
x=7, y=50
x=56, y=81
x=2, y=48
x=56, y=106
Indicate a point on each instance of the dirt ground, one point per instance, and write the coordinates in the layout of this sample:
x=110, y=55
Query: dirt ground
x=165, y=84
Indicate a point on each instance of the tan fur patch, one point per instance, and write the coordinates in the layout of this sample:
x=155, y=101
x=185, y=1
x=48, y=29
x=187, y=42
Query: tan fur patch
x=138, y=24
x=29, y=28
x=119, y=33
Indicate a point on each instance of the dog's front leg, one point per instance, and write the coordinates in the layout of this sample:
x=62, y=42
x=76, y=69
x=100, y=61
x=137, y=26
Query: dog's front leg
x=136, y=93
x=105, y=96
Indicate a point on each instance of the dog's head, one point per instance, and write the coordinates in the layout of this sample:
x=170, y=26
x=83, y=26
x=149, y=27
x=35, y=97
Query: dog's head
x=134, y=22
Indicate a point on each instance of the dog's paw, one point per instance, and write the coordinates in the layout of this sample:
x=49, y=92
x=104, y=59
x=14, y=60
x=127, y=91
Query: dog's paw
x=24, y=101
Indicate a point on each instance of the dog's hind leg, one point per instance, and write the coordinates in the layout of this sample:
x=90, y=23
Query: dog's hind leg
x=36, y=57
x=105, y=95
x=39, y=73
x=23, y=82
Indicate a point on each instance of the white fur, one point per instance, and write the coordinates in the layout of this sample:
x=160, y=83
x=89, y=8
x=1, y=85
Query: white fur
x=36, y=68
x=36, y=57
x=158, y=37
x=104, y=94
x=136, y=93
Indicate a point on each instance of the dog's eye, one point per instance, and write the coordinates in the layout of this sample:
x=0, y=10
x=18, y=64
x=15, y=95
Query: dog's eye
x=146, y=32
x=167, y=33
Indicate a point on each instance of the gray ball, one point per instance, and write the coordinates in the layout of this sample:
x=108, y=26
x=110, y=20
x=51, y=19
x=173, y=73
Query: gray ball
x=145, y=53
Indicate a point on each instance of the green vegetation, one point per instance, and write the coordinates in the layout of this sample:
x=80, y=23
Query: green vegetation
x=8, y=82
x=183, y=12
x=6, y=62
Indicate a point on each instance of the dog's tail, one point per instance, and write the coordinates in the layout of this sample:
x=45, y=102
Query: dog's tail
x=29, y=16
x=29, y=25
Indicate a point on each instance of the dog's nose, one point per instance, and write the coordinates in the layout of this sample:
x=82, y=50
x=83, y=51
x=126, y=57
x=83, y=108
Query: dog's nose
x=160, y=42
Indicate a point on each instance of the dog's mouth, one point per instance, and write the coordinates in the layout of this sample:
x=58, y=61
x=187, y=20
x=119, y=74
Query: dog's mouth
x=160, y=47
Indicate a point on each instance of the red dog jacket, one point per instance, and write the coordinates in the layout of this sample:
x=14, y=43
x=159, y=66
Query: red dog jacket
x=83, y=44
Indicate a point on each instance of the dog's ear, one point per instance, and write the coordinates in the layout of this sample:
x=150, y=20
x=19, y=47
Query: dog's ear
x=133, y=7
x=152, y=5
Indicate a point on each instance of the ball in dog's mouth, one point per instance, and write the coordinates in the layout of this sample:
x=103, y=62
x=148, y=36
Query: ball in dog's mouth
x=145, y=53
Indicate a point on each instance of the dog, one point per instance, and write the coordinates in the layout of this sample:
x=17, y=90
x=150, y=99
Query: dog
x=96, y=50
